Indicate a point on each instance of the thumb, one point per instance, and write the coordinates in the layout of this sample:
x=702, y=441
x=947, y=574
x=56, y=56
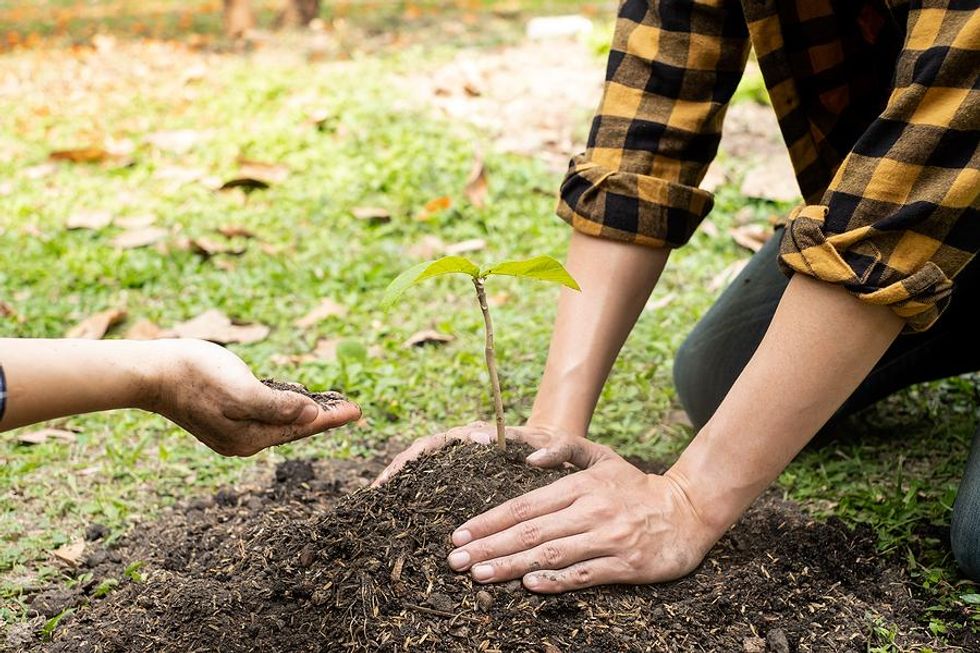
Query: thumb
x=578, y=452
x=283, y=407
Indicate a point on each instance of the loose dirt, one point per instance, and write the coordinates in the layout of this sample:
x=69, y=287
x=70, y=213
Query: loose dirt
x=317, y=561
x=327, y=400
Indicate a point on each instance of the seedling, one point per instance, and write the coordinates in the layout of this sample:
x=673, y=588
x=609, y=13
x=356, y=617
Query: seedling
x=541, y=268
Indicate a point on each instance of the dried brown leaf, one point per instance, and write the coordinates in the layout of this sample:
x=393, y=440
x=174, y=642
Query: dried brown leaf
x=428, y=337
x=428, y=247
x=209, y=247
x=751, y=236
x=6, y=310
x=326, y=350
x=90, y=154
x=247, y=184
x=373, y=214
x=465, y=246
x=270, y=173
x=95, y=326
x=236, y=231
x=133, y=238
x=144, y=329
x=177, y=141
x=727, y=275
x=70, y=553
x=217, y=327
x=43, y=435
x=434, y=206
x=326, y=308
x=94, y=220
x=477, y=188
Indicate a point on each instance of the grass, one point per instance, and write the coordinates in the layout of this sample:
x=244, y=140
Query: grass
x=381, y=146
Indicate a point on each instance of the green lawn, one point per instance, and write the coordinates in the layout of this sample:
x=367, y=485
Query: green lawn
x=377, y=145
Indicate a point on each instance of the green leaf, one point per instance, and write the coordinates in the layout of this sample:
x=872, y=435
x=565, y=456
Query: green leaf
x=543, y=268
x=427, y=270
x=973, y=599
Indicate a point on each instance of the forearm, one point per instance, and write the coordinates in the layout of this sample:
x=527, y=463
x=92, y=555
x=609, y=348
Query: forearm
x=54, y=378
x=821, y=344
x=591, y=326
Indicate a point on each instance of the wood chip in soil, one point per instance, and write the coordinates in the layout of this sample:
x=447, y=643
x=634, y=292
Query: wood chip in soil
x=330, y=565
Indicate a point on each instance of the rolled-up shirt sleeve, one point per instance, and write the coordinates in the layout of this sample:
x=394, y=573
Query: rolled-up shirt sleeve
x=900, y=219
x=673, y=68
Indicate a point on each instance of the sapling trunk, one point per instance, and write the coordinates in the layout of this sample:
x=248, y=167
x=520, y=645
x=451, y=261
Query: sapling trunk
x=498, y=402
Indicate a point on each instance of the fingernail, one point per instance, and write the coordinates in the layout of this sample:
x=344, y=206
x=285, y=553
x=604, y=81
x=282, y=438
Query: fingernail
x=309, y=414
x=482, y=572
x=462, y=537
x=459, y=559
x=531, y=581
x=537, y=456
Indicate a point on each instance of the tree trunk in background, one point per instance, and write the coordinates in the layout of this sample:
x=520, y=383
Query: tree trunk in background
x=239, y=18
x=299, y=13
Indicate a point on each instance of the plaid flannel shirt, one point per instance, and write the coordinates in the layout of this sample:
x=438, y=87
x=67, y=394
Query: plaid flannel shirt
x=878, y=103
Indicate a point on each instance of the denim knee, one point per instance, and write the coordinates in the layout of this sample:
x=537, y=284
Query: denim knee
x=965, y=527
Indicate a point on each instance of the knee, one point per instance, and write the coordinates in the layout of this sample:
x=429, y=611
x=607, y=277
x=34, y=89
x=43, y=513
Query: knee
x=965, y=533
x=691, y=382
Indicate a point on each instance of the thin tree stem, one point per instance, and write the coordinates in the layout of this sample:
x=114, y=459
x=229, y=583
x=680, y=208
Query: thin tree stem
x=498, y=402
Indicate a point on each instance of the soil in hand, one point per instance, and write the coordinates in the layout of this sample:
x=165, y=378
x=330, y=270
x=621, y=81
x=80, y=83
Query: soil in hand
x=314, y=569
x=327, y=400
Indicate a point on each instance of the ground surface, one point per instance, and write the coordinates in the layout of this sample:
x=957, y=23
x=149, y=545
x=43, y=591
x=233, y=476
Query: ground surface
x=297, y=567
x=371, y=118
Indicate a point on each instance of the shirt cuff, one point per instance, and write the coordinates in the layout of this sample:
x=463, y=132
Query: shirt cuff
x=630, y=207
x=851, y=259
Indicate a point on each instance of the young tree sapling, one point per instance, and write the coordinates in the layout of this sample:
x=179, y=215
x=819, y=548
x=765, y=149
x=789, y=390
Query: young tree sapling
x=542, y=268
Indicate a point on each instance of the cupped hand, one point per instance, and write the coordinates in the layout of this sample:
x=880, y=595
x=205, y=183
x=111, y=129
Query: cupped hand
x=608, y=523
x=210, y=392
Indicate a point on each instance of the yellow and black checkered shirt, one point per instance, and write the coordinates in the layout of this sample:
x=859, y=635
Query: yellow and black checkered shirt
x=878, y=103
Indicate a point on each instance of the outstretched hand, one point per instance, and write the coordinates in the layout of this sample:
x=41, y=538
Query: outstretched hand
x=607, y=523
x=208, y=391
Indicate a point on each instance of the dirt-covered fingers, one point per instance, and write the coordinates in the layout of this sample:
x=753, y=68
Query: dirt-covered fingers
x=543, y=501
x=526, y=537
x=606, y=570
x=554, y=555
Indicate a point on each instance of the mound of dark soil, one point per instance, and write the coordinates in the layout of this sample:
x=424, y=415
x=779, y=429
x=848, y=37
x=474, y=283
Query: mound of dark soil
x=297, y=567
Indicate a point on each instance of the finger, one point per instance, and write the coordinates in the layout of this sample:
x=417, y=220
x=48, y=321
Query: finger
x=579, y=452
x=550, y=498
x=279, y=406
x=553, y=555
x=588, y=573
x=527, y=536
x=326, y=419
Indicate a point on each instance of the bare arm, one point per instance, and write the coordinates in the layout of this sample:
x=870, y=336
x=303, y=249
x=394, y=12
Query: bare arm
x=203, y=388
x=592, y=325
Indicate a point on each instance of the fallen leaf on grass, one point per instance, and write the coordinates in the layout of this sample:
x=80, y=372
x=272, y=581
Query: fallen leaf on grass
x=428, y=337
x=247, y=184
x=93, y=220
x=70, y=553
x=462, y=247
x=43, y=435
x=677, y=417
x=144, y=330
x=269, y=173
x=136, y=221
x=209, y=247
x=180, y=174
x=727, y=275
x=326, y=350
x=326, y=308
x=709, y=228
x=235, y=230
x=92, y=154
x=372, y=214
x=662, y=302
x=476, y=185
x=428, y=247
x=498, y=299
x=133, y=238
x=6, y=310
x=177, y=141
x=434, y=206
x=217, y=327
x=751, y=236
x=95, y=326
